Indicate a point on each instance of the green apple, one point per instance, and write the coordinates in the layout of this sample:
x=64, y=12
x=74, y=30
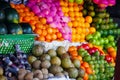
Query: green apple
x=110, y=38
x=79, y=1
x=89, y=36
x=71, y=0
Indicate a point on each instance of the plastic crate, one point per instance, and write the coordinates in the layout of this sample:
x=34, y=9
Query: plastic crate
x=7, y=43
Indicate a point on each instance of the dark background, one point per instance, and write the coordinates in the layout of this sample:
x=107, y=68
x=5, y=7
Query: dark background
x=115, y=12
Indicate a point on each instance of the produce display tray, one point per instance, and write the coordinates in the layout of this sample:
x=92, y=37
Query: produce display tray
x=7, y=43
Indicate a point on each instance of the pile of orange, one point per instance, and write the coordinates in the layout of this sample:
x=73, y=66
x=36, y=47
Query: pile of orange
x=84, y=65
x=80, y=26
x=39, y=25
x=112, y=52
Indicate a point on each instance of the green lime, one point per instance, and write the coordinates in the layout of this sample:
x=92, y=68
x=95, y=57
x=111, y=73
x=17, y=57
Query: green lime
x=101, y=15
x=110, y=38
x=102, y=26
x=90, y=77
x=102, y=76
x=107, y=46
x=110, y=32
x=107, y=15
x=87, y=58
x=84, y=12
x=97, y=20
x=115, y=25
x=97, y=53
x=88, y=37
x=91, y=13
x=97, y=66
x=105, y=33
x=97, y=26
x=102, y=57
x=101, y=40
x=101, y=70
x=92, y=66
x=115, y=31
x=112, y=43
x=110, y=20
x=111, y=25
x=106, y=41
x=94, y=77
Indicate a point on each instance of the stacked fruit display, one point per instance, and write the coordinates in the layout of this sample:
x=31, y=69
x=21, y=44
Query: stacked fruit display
x=9, y=21
x=80, y=25
x=101, y=19
x=85, y=62
x=39, y=25
x=104, y=3
x=72, y=20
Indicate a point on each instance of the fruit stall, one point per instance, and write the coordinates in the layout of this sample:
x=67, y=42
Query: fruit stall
x=58, y=40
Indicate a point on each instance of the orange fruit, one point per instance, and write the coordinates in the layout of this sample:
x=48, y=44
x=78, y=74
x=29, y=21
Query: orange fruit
x=79, y=30
x=72, y=18
x=113, y=54
x=92, y=30
x=59, y=35
x=21, y=11
x=79, y=57
x=70, y=24
x=22, y=14
x=110, y=49
x=73, y=37
x=33, y=27
x=82, y=20
x=12, y=5
x=27, y=13
x=80, y=14
x=87, y=25
x=77, y=18
x=86, y=76
x=76, y=14
x=61, y=39
x=42, y=20
x=76, y=8
x=74, y=53
x=80, y=7
x=26, y=18
x=70, y=4
x=49, y=30
x=74, y=31
x=54, y=36
x=75, y=23
x=89, y=70
x=63, y=9
x=32, y=14
x=71, y=14
x=66, y=14
x=82, y=67
x=61, y=3
x=22, y=5
x=65, y=4
x=26, y=9
x=72, y=48
x=39, y=25
x=32, y=22
x=38, y=31
x=85, y=64
x=44, y=32
x=48, y=37
x=71, y=9
x=75, y=4
x=88, y=19
x=41, y=38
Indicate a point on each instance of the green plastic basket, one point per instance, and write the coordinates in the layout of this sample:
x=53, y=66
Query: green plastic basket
x=7, y=43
